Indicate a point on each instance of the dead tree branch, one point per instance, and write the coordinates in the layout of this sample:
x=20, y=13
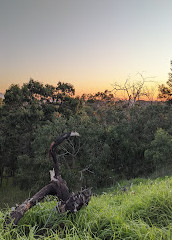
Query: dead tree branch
x=57, y=186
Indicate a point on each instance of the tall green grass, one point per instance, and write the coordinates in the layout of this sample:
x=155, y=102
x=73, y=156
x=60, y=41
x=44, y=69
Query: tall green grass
x=10, y=194
x=144, y=212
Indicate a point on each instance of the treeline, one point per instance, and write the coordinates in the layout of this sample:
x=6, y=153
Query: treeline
x=116, y=140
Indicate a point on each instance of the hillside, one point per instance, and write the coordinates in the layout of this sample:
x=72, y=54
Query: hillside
x=144, y=211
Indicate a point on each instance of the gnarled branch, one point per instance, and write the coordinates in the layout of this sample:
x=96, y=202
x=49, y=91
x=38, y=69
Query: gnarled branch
x=57, y=186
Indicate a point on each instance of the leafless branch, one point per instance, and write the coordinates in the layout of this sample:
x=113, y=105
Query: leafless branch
x=84, y=170
x=134, y=90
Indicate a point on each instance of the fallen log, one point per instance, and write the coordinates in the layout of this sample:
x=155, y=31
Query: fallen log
x=57, y=187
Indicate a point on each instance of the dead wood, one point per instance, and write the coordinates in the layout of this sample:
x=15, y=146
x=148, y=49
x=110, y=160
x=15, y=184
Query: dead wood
x=57, y=186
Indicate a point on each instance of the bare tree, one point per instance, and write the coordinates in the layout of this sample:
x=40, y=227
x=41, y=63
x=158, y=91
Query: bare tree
x=134, y=89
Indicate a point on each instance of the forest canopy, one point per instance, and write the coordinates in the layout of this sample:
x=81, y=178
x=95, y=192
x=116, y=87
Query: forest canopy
x=117, y=140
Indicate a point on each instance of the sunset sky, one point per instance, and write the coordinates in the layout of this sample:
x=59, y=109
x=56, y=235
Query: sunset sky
x=88, y=43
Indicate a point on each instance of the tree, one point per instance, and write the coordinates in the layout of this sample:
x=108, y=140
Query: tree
x=68, y=105
x=65, y=89
x=105, y=97
x=159, y=152
x=134, y=90
x=25, y=109
x=22, y=113
x=165, y=92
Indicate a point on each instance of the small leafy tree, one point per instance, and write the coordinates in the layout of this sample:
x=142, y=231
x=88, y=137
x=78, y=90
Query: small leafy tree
x=160, y=151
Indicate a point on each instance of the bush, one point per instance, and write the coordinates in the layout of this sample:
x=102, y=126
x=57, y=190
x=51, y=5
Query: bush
x=159, y=153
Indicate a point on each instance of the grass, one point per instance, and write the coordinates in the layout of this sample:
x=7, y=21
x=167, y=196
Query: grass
x=10, y=194
x=144, y=212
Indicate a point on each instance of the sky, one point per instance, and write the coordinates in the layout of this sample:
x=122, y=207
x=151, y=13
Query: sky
x=88, y=43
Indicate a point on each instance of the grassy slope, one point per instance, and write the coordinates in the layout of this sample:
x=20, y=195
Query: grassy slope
x=145, y=212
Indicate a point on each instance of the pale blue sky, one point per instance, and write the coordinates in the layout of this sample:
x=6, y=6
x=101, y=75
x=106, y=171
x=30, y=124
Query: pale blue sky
x=89, y=43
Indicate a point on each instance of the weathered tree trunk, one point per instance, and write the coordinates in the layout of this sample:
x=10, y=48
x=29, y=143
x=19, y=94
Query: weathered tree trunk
x=57, y=187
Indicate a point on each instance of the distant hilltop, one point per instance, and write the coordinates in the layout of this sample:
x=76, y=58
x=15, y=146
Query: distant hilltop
x=1, y=95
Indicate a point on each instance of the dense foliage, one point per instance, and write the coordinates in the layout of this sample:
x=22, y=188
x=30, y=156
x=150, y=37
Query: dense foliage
x=116, y=140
